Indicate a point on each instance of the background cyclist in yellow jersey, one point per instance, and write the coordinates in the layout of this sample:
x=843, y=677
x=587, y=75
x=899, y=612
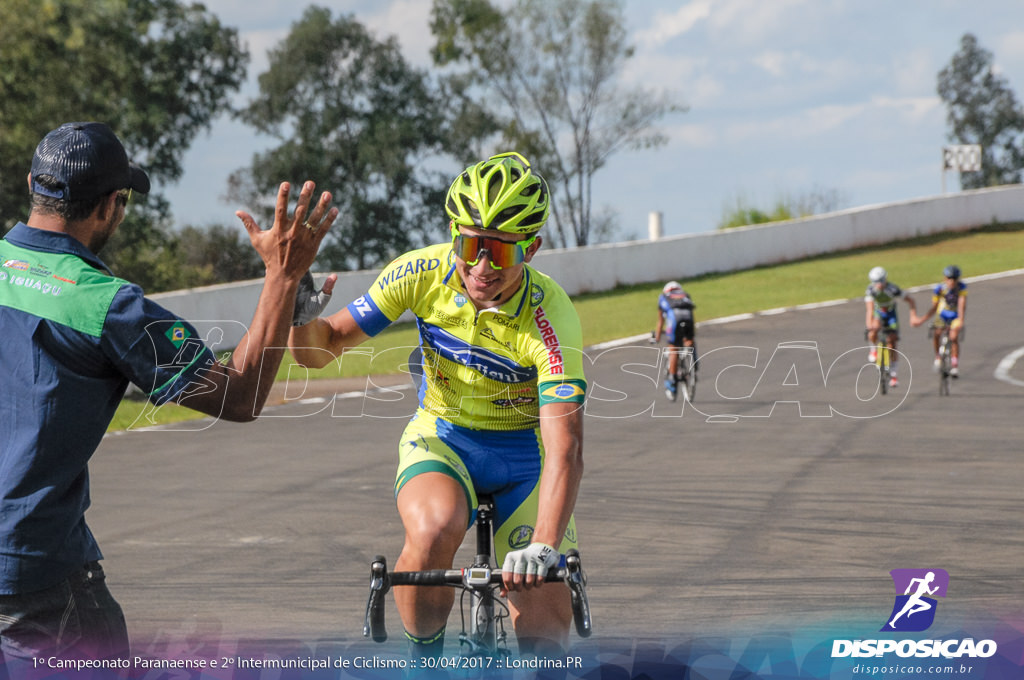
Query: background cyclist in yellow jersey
x=880, y=300
x=499, y=401
x=949, y=305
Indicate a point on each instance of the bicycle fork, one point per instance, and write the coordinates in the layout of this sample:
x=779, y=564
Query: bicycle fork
x=483, y=637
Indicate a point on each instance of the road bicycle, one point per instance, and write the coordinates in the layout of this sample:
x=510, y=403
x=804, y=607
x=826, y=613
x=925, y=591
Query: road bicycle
x=883, y=357
x=945, y=358
x=483, y=630
x=686, y=372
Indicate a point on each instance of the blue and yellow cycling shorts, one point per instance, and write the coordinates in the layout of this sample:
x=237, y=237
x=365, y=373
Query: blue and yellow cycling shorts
x=888, y=318
x=505, y=465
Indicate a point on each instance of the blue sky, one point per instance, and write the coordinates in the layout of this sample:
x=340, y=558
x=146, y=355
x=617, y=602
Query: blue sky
x=786, y=98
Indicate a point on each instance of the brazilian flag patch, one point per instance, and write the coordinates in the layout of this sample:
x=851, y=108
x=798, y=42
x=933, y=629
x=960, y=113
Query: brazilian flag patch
x=178, y=334
x=568, y=391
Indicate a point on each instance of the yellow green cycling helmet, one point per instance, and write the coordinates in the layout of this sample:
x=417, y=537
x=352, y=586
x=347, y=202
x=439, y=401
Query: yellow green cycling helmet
x=500, y=193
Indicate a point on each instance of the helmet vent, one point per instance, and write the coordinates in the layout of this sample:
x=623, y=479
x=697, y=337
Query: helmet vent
x=532, y=218
x=494, y=186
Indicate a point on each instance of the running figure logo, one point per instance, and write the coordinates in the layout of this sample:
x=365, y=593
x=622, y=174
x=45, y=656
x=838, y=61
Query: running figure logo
x=914, y=610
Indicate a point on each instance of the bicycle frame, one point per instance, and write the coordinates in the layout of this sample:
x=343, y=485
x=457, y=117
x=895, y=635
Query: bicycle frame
x=883, y=358
x=944, y=358
x=685, y=371
x=486, y=635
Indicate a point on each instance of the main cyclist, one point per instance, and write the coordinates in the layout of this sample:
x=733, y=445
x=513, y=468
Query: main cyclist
x=499, y=402
x=675, y=318
x=949, y=307
x=880, y=302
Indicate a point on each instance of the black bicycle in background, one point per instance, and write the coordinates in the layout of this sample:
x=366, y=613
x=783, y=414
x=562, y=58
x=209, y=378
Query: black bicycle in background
x=945, y=358
x=686, y=372
x=483, y=610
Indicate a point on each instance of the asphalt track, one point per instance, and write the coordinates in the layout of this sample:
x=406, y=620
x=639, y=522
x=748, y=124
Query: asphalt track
x=782, y=497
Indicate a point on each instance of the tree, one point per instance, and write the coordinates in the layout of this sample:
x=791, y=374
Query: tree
x=549, y=70
x=983, y=110
x=157, y=71
x=352, y=115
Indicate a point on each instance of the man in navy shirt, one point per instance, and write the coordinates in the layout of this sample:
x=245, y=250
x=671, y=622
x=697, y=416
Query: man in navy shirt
x=74, y=337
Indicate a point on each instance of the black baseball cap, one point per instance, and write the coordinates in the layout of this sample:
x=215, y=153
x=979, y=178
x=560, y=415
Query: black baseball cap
x=87, y=160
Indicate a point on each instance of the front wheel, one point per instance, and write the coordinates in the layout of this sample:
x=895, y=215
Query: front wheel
x=689, y=376
x=482, y=638
x=944, y=369
x=883, y=368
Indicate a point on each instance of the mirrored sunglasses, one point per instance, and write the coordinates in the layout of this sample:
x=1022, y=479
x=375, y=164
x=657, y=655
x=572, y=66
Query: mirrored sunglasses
x=501, y=254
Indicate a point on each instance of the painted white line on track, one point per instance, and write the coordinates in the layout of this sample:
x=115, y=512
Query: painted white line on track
x=1002, y=371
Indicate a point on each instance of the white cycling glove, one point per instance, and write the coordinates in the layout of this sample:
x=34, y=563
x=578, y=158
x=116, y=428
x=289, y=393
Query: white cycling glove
x=309, y=302
x=535, y=559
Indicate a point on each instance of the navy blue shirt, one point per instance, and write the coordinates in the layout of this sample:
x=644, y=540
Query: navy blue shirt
x=73, y=337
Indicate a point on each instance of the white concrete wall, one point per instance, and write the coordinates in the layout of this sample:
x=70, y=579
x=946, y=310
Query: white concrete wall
x=597, y=268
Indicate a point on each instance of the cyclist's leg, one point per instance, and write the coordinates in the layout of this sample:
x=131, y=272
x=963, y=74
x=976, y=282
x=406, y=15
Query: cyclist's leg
x=873, y=329
x=434, y=498
x=892, y=322
x=673, y=354
x=687, y=331
x=954, y=338
x=542, y=616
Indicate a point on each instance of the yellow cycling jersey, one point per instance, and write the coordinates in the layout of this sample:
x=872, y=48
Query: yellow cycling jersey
x=490, y=369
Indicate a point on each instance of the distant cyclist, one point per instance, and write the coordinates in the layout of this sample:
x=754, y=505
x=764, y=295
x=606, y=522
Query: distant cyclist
x=880, y=304
x=949, y=307
x=675, y=318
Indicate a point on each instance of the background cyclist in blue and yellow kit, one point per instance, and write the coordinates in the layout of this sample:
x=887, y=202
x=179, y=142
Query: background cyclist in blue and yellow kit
x=499, y=401
x=949, y=305
x=675, y=318
x=880, y=300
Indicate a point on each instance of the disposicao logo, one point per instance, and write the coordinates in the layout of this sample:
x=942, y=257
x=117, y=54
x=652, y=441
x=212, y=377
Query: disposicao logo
x=913, y=611
x=915, y=605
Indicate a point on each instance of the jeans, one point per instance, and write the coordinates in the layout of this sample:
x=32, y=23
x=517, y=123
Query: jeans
x=76, y=619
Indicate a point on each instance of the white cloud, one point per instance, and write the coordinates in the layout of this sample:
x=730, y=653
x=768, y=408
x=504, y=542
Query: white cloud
x=693, y=136
x=909, y=109
x=741, y=20
x=915, y=71
x=772, y=62
x=1008, y=57
x=800, y=125
x=667, y=26
x=752, y=21
x=409, y=22
x=686, y=79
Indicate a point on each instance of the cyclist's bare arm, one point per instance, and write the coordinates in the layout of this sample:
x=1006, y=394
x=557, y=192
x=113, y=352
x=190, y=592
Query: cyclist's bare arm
x=561, y=430
x=660, y=326
x=322, y=340
x=918, y=320
x=870, y=313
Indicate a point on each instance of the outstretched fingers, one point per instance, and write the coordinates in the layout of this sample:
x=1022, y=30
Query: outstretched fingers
x=291, y=244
